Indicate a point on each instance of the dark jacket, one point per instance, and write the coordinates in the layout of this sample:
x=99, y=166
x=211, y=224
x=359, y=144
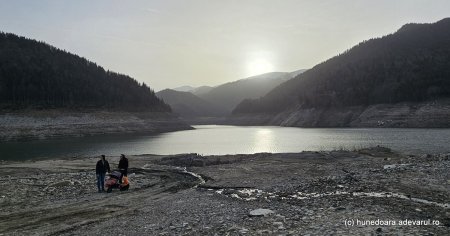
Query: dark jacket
x=123, y=163
x=102, y=167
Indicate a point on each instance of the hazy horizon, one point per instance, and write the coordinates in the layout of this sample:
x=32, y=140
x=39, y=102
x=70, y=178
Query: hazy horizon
x=169, y=44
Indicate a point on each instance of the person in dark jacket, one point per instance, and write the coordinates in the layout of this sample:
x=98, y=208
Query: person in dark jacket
x=123, y=165
x=100, y=170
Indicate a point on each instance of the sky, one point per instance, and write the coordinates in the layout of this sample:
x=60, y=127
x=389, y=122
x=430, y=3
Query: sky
x=171, y=43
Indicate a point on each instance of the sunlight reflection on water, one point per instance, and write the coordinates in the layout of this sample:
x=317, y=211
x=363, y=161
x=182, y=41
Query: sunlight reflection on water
x=219, y=140
x=263, y=141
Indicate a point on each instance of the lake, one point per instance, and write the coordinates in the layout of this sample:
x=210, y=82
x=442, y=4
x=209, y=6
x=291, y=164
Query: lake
x=220, y=139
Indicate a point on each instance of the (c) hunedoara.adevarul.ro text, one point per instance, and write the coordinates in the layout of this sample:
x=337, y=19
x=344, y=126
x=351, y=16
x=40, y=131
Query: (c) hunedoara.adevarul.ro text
x=379, y=222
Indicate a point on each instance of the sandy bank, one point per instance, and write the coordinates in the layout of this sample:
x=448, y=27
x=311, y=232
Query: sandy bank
x=308, y=193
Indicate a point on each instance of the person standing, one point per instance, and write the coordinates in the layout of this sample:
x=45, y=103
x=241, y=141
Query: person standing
x=123, y=165
x=100, y=170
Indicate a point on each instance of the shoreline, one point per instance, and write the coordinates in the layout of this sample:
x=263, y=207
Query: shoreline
x=307, y=192
x=45, y=124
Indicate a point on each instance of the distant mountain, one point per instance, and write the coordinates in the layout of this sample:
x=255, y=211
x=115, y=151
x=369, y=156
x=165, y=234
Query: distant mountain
x=410, y=65
x=185, y=88
x=194, y=90
x=227, y=96
x=206, y=101
x=201, y=90
x=187, y=104
x=36, y=75
x=297, y=72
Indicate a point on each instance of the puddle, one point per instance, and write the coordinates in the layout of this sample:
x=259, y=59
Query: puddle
x=401, y=196
x=255, y=194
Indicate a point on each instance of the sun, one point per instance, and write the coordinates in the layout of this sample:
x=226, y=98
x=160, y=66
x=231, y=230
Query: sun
x=259, y=66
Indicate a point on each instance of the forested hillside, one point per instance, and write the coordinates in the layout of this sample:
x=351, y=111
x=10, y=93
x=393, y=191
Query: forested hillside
x=410, y=65
x=37, y=75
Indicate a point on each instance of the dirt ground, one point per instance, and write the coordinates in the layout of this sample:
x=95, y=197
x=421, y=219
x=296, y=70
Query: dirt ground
x=366, y=192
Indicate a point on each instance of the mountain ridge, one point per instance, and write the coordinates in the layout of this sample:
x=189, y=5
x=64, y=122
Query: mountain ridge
x=34, y=74
x=227, y=96
x=187, y=104
x=408, y=65
x=221, y=99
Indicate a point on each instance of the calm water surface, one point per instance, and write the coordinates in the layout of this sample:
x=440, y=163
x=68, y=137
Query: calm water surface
x=216, y=140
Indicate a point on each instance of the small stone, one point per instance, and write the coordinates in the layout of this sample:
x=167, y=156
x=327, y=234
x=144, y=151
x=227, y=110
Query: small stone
x=243, y=231
x=277, y=223
x=418, y=209
x=261, y=212
x=379, y=230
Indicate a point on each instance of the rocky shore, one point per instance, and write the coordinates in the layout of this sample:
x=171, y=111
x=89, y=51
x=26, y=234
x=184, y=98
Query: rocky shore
x=41, y=124
x=366, y=192
x=432, y=114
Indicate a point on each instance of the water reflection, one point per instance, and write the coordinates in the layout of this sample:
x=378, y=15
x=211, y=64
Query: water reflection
x=264, y=140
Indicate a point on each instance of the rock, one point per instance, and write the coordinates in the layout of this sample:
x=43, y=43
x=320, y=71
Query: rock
x=261, y=212
x=263, y=232
x=243, y=231
x=395, y=166
x=340, y=208
x=277, y=223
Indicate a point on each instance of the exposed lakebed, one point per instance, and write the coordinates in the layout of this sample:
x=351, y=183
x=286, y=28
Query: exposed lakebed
x=260, y=194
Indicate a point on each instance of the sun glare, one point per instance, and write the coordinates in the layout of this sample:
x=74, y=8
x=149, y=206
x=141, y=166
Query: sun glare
x=259, y=66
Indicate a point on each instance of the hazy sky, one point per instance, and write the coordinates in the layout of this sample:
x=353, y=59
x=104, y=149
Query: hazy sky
x=169, y=43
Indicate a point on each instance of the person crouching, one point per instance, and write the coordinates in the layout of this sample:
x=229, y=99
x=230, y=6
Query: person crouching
x=125, y=185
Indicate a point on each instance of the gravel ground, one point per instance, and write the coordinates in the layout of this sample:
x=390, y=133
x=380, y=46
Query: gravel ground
x=315, y=193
